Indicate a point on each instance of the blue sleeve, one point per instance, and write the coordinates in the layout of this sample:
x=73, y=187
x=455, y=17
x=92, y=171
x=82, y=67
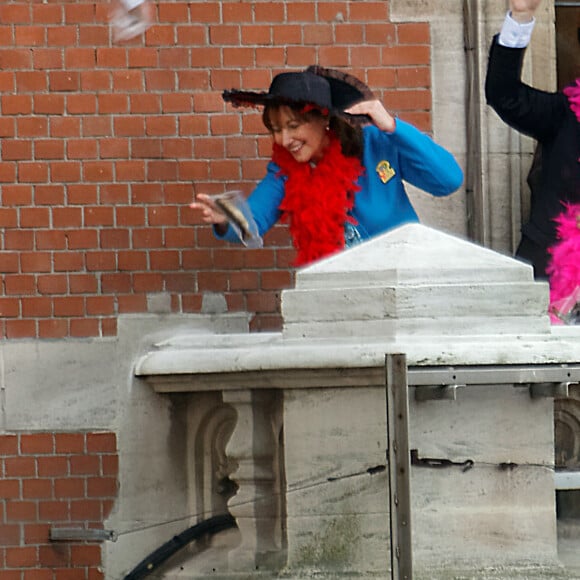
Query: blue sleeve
x=264, y=202
x=424, y=163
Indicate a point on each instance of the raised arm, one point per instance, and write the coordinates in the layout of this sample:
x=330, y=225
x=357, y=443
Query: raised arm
x=529, y=110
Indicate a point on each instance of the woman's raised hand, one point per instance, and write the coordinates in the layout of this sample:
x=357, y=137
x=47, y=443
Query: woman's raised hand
x=377, y=112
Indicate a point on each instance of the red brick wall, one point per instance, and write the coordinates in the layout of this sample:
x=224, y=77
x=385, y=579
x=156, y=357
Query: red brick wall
x=60, y=480
x=103, y=146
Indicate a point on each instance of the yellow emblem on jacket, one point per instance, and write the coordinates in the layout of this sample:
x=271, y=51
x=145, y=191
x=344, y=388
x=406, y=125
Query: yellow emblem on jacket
x=385, y=171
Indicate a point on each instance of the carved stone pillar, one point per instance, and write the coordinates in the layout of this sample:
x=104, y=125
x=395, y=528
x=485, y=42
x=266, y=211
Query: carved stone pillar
x=254, y=451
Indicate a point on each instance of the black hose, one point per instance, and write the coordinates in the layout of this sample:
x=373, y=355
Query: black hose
x=210, y=526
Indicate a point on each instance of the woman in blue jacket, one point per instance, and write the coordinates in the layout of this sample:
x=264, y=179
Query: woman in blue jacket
x=338, y=164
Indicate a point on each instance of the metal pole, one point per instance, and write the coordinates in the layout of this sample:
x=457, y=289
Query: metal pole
x=399, y=466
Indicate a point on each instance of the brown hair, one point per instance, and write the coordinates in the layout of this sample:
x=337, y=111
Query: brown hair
x=349, y=135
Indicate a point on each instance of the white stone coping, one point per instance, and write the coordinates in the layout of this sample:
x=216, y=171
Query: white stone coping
x=235, y=353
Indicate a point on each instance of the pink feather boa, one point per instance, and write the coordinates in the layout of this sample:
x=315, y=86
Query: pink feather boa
x=573, y=94
x=564, y=265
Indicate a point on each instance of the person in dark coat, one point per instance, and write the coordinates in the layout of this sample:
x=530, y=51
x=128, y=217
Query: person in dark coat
x=553, y=119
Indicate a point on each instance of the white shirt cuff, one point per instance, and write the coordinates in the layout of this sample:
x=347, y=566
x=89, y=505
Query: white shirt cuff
x=514, y=34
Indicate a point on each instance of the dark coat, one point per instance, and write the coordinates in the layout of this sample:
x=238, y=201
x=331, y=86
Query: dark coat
x=546, y=117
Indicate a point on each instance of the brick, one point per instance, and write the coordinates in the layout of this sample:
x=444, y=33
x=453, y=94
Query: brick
x=52, y=329
x=110, y=465
x=148, y=282
x=66, y=172
x=191, y=303
x=244, y=281
x=48, y=104
x=108, y=327
x=16, y=105
x=179, y=237
x=35, y=262
x=7, y=172
x=84, y=239
x=52, y=466
x=9, y=489
x=79, y=58
x=8, y=219
x=52, y=284
x=54, y=555
x=36, y=307
x=36, y=533
x=132, y=303
x=81, y=104
x=37, y=574
x=414, y=77
x=70, y=443
x=54, y=511
x=69, y=573
x=34, y=217
x=64, y=81
x=180, y=282
x=100, y=305
x=414, y=33
x=81, y=149
x=47, y=59
x=132, y=171
x=8, y=445
x=83, y=284
x=46, y=14
x=105, y=487
x=114, y=148
x=19, y=467
x=263, y=301
x=36, y=488
x=101, y=261
x=70, y=488
x=177, y=12
x=68, y=262
x=48, y=194
x=61, y=35
x=19, y=284
x=84, y=327
x=95, y=574
x=84, y=464
x=132, y=261
x=160, y=81
x=86, y=510
x=266, y=323
x=85, y=555
x=21, y=511
x=20, y=329
x=95, y=80
x=21, y=557
x=9, y=535
x=68, y=306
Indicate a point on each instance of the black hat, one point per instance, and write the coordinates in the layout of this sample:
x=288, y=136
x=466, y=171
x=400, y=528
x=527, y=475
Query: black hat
x=326, y=88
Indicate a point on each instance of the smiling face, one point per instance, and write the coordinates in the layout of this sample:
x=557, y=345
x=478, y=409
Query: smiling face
x=304, y=136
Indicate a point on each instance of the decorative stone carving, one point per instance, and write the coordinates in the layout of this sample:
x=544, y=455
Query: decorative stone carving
x=254, y=453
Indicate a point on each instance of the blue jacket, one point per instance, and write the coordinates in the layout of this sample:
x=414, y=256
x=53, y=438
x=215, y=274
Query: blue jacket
x=407, y=154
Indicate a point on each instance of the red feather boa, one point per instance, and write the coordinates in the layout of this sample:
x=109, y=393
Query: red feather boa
x=317, y=200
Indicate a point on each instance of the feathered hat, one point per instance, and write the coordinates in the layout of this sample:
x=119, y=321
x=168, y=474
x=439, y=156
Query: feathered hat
x=327, y=89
